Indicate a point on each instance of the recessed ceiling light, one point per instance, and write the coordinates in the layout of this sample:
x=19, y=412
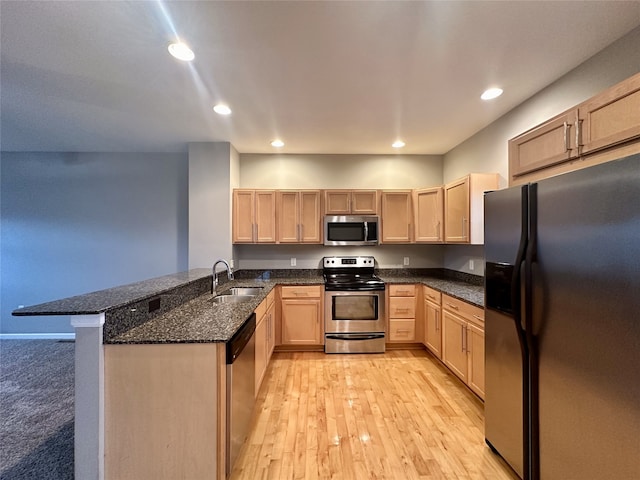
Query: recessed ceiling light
x=277, y=143
x=222, y=109
x=398, y=144
x=491, y=93
x=181, y=51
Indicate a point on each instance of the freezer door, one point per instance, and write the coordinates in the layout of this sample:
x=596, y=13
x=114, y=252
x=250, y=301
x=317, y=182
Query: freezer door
x=503, y=357
x=586, y=322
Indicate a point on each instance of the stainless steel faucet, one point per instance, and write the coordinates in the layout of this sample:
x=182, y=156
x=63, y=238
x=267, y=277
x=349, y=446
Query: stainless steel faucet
x=214, y=283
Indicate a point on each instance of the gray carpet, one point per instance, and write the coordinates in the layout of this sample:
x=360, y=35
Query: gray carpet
x=36, y=409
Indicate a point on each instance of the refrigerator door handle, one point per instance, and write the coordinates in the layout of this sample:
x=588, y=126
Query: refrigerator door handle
x=530, y=261
x=516, y=301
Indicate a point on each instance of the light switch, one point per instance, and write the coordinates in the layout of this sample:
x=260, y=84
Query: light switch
x=293, y=261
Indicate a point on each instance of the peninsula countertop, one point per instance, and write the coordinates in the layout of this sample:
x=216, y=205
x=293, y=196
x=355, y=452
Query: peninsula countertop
x=198, y=319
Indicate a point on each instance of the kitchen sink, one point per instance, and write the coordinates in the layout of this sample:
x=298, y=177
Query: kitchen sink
x=244, y=291
x=232, y=298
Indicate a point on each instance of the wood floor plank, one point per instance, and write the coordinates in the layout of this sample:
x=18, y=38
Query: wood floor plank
x=398, y=415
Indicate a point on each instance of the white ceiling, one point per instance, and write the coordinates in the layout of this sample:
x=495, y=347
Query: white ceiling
x=326, y=77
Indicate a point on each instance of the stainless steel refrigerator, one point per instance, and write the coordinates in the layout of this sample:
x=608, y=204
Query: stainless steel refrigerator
x=562, y=324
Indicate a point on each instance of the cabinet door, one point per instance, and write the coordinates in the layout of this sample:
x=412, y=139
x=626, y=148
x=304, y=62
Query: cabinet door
x=396, y=217
x=265, y=216
x=310, y=220
x=288, y=208
x=545, y=145
x=611, y=117
x=260, y=352
x=454, y=352
x=337, y=202
x=243, y=216
x=433, y=328
x=271, y=331
x=475, y=348
x=428, y=214
x=456, y=205
x=301, y=322
x=364, y=202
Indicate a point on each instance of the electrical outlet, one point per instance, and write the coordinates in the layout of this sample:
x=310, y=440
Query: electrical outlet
x=231, y=263
x=293, y=261
x=406, y=261
x=471, y=265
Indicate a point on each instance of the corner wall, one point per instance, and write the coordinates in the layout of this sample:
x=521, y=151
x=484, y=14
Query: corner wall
x=487, y=151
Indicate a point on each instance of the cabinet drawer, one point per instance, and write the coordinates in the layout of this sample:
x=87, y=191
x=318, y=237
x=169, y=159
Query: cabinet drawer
x=402, y=290
x=271, y=296
x=463, y=309
x=402, y=307
x=261, y=310
x=402, y=330
x=432, y=295
x=301, y=291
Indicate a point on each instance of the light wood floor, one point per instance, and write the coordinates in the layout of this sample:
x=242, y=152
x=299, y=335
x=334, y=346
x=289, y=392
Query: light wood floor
x=398, y=415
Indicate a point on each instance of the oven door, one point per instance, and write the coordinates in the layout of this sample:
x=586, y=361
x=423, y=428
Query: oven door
x=354, y=312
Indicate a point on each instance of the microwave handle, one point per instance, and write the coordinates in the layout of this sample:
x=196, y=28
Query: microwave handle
x=366, y=231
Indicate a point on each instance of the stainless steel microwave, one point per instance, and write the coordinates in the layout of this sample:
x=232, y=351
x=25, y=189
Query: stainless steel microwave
x=342, y=230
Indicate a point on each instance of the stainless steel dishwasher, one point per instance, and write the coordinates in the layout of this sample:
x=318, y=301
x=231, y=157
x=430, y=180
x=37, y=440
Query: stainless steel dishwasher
x=240, y=388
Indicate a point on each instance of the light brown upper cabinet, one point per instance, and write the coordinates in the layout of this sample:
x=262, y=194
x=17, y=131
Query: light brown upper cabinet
x=611, y=117
x=351, y=202
x=603, y=128
x=254, y=216
x=545, y=145
x=464, y=207
x=428, y=208
x=298, y=214
x=397, y=217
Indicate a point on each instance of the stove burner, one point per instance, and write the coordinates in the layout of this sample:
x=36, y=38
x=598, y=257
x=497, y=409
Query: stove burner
x=350, y=274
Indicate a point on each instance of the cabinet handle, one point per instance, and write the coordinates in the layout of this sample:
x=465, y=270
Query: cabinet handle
x=255, y=232
x=402, y=330
x=438, y=229
x=300, y=294
x=462, y=338
x=437, y=320
x=402, y=309
x=478, y=317
x=566, y=137
x=464, y=234
x=452, y=306
x=466, y=336
x=431, y=297
x=578, y=132
x=403, y=291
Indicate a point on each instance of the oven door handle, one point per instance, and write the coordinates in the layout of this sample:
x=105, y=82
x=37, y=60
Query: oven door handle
x=354, y=336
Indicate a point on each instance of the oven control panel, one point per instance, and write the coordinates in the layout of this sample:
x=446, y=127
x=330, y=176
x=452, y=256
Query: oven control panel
x=349, y=262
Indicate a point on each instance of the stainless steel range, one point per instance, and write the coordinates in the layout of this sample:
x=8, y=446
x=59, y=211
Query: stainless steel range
x=354, y=306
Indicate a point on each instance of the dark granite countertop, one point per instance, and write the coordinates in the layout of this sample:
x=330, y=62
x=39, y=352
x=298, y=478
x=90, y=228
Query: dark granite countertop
x=473, y=294
x=203, y=321
x=111, y=298
x=196, y=318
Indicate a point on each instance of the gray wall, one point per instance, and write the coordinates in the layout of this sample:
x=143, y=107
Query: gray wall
x=213, y=170
x=75, y=223
x=487, y=150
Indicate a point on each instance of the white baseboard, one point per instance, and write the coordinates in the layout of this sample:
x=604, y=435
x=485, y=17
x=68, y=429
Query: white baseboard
x=37, y=336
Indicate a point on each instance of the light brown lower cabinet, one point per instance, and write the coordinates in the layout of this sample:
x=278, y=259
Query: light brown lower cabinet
x=164, y=411
x=301, y=315
x=264, y=338
x=463, y=342
x=402, y=313
x=432, y=321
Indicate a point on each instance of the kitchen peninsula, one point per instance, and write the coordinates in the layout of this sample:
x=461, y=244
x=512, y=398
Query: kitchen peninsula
x=150, y=366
